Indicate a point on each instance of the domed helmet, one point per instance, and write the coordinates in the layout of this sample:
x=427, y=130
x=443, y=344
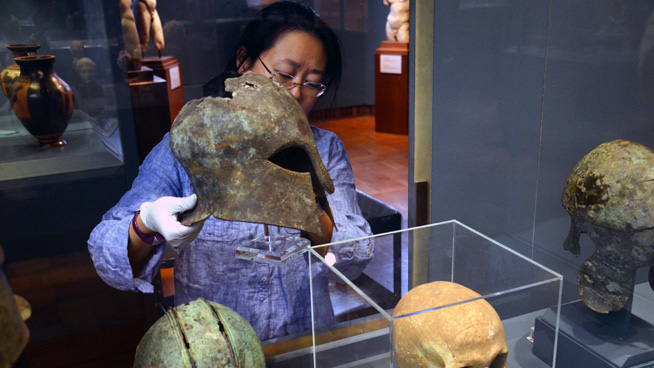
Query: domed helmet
x=252, y=157
x=13, y=331
x=200, y=334
x=469, y=334
x=610, y=196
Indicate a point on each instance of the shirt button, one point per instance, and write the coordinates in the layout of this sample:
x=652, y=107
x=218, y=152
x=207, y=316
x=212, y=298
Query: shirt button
x=264, y=278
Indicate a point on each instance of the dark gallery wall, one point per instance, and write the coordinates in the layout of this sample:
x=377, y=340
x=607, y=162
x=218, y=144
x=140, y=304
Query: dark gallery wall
x=522, y=91
x=203, y=39
x=358, y=83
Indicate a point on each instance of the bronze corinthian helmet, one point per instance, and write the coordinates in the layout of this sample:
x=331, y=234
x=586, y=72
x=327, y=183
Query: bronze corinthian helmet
x=252, y=157
x=610, y=196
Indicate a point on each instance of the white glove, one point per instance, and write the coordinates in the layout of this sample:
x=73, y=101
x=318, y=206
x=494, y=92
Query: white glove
x=161, y=216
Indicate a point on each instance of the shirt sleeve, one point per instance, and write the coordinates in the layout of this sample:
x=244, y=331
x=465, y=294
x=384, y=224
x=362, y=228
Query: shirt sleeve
x=160, y=175
x=351, y=257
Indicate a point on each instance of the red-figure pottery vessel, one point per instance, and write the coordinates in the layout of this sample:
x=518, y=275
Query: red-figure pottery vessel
x=41, y=100
x=11, y=73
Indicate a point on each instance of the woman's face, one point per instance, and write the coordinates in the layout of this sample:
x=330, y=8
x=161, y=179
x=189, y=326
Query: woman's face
x=296, y=53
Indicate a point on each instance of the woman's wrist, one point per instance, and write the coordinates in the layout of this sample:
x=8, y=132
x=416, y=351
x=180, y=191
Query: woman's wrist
x=143, y=228
x=138, y=251
x=144, y=234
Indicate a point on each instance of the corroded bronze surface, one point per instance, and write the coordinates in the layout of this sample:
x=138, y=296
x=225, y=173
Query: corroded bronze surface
x=610, y=197
x=13, y=331
x=251, y=157
x=200, y=334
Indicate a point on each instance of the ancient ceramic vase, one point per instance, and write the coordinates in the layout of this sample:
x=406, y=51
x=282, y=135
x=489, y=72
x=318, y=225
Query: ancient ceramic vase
x=10, y=74
x=41, y=100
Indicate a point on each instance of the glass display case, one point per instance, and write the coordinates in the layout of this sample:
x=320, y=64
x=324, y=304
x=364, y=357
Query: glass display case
x=518, y=94
x=51, y=199
x=57, y=186
x=519, y=289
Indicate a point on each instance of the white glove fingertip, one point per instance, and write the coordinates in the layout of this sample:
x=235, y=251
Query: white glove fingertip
x=185, y=203
x=189, y=202
x=144, y=206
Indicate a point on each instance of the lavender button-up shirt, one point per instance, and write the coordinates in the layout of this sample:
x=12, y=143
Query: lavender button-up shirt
x=274, y=299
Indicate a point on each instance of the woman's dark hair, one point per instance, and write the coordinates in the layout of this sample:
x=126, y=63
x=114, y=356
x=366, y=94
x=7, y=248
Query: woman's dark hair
x=271, y=22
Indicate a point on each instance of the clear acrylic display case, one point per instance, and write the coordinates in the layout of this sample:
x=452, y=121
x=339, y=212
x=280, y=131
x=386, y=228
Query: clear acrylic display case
x=519, y=289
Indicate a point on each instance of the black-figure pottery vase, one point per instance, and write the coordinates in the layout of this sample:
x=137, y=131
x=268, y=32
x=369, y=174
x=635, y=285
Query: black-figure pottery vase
x=41, y=100
x=10, y=74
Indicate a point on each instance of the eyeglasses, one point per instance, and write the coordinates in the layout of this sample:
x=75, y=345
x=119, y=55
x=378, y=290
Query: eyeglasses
x=312, y=89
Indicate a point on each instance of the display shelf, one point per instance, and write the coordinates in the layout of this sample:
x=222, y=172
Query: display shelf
x=86, y=149
x=593, y=340
x=519, y=289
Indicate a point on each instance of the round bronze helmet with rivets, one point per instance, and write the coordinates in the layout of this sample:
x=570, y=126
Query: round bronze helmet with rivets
x=200, y=334
x=610, y=196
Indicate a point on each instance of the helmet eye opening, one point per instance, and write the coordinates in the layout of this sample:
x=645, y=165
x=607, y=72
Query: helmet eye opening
x=292, y=158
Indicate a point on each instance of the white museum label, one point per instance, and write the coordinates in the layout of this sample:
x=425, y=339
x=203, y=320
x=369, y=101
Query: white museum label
x=174, y=77
x=390, y=64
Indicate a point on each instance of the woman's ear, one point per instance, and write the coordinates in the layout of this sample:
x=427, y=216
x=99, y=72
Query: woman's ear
x=242, y=63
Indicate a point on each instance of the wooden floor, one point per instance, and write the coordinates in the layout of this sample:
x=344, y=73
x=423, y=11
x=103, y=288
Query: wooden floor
x=380, y=161
x=79, y=321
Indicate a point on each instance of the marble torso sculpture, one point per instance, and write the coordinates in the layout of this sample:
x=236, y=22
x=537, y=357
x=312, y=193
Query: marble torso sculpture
x=397, y=22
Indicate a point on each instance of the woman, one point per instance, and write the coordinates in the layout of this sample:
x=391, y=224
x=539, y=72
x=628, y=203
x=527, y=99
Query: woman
x=288, y=42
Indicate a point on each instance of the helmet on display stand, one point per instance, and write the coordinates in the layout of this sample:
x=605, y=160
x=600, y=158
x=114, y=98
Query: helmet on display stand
x=610, y=197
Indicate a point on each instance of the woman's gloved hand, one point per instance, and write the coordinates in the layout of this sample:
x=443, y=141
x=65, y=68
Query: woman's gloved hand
x=161, y=216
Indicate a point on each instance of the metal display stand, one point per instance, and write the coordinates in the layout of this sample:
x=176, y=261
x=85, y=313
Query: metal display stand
x=273, y=249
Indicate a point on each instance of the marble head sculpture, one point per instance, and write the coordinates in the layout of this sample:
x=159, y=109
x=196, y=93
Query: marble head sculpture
x=469, y=334
x=252, y=157
x=610, y=196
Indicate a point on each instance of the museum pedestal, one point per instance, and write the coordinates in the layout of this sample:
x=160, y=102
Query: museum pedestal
x=588, y=339
x=167, y=67
x=392, y=88
x=150, y=107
